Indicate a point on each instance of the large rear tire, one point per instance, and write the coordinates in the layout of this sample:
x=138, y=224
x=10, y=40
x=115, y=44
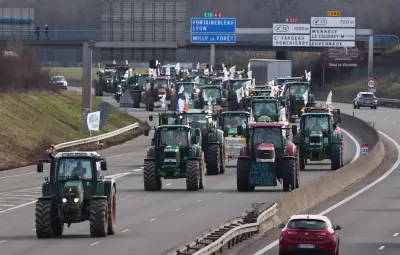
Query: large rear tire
x=193, y=175
x=98, y=218
x=243, y=176
x=335, y=157
x=289, y=175
x=151, y=181
x=43, y=219
x=212, y=159
x=112, y=205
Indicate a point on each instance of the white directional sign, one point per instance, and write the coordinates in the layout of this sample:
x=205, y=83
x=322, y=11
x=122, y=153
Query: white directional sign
x=333, y=44
x=333, y=22
x=290, y=28
x=333, y=34
x=291, y=41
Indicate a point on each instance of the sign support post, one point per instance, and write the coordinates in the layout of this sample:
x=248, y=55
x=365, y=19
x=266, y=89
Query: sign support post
x=212, y=54
x=87, y=83
x=371, y=55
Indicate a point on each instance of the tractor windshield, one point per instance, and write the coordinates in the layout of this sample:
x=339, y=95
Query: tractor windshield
x=213, y=93
x=298, y=89
x=174, y=137
x=202, y=80
x=233, y=121
x=74, y=168
x=264, y=108
x=162, y=83
x=186, y=88
x=237, y=84
x=268, y=135
x=200, y=118
x=108, y=74
x=316, y=123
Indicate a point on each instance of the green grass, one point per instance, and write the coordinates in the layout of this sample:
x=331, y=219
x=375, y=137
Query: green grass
x=75, y=73
x=32, y=121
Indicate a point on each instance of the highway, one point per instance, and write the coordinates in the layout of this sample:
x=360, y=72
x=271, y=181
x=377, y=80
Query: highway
x=369, y=221
x=147, y=222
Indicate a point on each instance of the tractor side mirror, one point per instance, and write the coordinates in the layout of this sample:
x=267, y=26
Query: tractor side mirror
x=281, y=225
x=103, y=165
x=337, y=227
x=151, y=118
x=294, y=130
x=39, y=167
x=239, y=130
x=146, y=132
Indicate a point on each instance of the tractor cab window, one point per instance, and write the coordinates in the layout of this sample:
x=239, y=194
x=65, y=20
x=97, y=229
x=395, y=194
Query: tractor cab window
x=199, y=118
x=213, y=93
x=174, y=137
x=268, y=135
x=298, y=89
x=202, y=80
x=316, y=123
x=264, y=108
x=186, y=88
x=232, y=121
x=74, y=169
x=162, y=83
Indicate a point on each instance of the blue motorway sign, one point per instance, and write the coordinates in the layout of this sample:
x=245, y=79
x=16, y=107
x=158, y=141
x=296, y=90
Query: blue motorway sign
x=212, y=38
x=213, y=25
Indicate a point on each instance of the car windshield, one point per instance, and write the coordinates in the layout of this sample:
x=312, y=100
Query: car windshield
x=174, y=137
x=233, y=121
x=307, y=224
x=316, y=123
x=199, y=117
x=74, y=168
x=264, y=108
x=214, y=93
x=298, y=89
x=188, y=88
x=57, y=78
x=368, y=95
x=268, y=135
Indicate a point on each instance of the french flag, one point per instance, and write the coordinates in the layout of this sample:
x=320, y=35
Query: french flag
x=180, y=103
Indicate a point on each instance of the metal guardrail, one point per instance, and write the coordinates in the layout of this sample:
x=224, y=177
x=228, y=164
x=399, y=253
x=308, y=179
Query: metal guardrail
x=228, y=234
x=94, y=139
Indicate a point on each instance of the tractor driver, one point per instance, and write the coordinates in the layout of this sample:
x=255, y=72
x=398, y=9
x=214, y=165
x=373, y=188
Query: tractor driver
x=174, y=137
x=265, y=110
x=79, y=171
x=317, y=123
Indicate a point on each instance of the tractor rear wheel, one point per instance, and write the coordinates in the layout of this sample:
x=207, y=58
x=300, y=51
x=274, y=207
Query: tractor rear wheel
x=112, y=226
x=212, y=159
x=243, y=176
x=44, y=228
x=151, y=181
x=289, y=175
x=296, y=181
x=335, y=157
x=99, y=218
x=193, y=175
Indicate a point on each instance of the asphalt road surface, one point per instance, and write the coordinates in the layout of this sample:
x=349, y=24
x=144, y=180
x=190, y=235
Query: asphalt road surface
x=148, y=223
x=369, y=218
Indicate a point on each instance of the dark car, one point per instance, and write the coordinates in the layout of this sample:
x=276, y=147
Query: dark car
x=365, y=99
x=309, y=234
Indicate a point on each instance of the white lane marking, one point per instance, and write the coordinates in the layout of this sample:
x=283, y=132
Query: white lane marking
x=153, y=219
x=17, y=175
x=168, y=184
x=395, y=234
x=6, y=205
x=357, y=144
x=381, y=248
x=93, y=244
x=16, y=198
x=142, y=167
x=136, y=170
x=126, y=230
x=176, y=210
x=198, y=201
x=120, y=155
x=2, y=241
x=19, y=206
x=34, y=229
x=122, y=199
x=219, y=193
x=347, y=199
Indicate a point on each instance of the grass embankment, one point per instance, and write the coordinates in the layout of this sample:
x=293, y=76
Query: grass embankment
x=31, y=121
x=75, y=73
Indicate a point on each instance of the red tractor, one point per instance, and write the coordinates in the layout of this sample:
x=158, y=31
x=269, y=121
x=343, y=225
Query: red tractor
x=267, y=157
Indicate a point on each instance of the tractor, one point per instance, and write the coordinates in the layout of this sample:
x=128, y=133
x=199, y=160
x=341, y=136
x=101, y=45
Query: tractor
x=136, y=86
x=175, y=153
x=267, y=158
x=188, y=91
x=210, y=95
x=76, y=191
x=106, y=81
x=213, y=143
x=319, y=137
x=229, y=121
x=266, y=108
x=230, y=87
x=293, y=96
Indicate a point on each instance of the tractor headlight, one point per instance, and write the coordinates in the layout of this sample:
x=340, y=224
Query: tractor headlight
x=198, y=90
x=64, y=200
x=306, y=140
x=76, y=200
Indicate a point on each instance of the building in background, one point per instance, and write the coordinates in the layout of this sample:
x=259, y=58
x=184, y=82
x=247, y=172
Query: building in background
x=17, y=21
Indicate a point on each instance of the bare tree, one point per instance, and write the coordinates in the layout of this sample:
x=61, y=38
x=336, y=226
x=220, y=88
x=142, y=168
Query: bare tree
x=279, y=9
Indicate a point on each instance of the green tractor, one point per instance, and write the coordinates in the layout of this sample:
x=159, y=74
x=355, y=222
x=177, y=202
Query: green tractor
x=76, y=191
x=175, y=153
x=213, y=143
x=106, y=81
x=293, y=98
x=229, y=121
x=265, y=109
x=267, y=158
x=136, y=85
x=319, y=137
x=210, y=95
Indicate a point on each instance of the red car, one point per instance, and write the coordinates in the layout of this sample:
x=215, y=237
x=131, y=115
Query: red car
x=309, y=234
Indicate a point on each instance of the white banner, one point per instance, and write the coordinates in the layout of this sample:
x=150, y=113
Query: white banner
x=93, y=121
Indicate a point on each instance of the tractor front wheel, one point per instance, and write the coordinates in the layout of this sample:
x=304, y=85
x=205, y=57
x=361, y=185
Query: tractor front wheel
x=289, y=174
x=193, y=175
x=112, y=204
x=212, y=159
x=243, y=176
x=335, y=157
x=151, y=181
x=202, y=166
x=43, y=222
x=99, y=218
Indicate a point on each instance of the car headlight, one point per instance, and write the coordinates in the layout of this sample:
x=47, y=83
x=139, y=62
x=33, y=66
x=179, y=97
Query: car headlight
x=375, y=101
x=64, y=200
x=76, y=200
x=65, y=83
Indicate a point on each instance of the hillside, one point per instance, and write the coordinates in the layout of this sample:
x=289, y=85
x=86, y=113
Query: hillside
x=32, y=120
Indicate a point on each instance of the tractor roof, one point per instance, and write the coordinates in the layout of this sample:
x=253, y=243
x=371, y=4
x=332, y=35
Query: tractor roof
x=235, y=113
x=162, y=78
x=211, y=87
x=297, y=82
x=186, y=82
x=267, y=124
x=76, y=154
x=167, y=113
x=316, y=109
x=173, y=127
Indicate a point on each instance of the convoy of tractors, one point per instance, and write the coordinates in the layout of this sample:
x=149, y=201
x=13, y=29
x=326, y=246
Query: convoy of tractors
x=271, y=131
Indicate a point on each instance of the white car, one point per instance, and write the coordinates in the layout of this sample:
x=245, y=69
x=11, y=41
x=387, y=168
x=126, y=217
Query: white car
x=60, y=82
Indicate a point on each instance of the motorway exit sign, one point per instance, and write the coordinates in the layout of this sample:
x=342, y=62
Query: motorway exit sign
x=333, y=13
x=213, y=30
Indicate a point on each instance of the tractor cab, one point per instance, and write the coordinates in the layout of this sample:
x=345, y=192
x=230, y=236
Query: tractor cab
x=230, y=120
x=161, y=86
x=296, y=96
x=188, y=89
x=335, y=113
x=266, y=107
x=267, y=157
x=197, y=118
x=210, y=96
